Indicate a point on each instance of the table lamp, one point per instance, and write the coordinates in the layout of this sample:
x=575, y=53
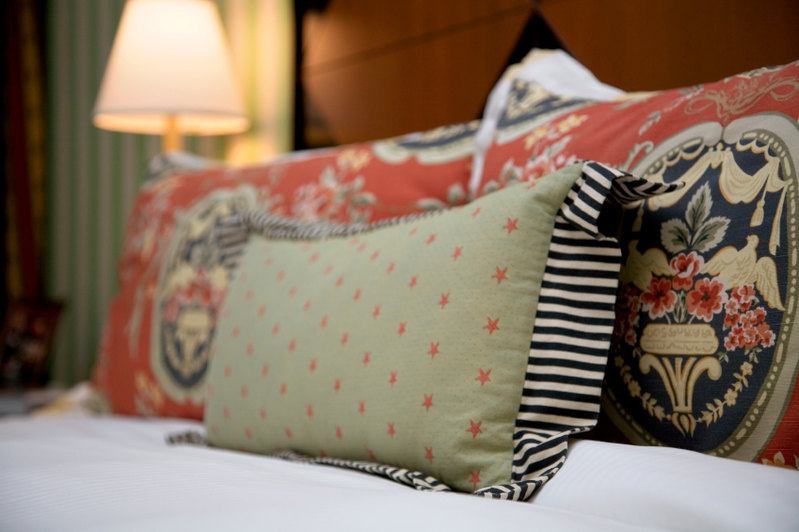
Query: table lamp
x=170, y=73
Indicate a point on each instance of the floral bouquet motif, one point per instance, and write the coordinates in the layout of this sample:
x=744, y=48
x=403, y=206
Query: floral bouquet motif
x=701, y=311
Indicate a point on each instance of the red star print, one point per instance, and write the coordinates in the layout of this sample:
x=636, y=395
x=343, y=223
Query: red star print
x=362, y=247
x=322, y=453
x=483, y=377
x=354, y=241
x=376, y=311
x=288, y=432
x=329, y=270
x=431, y=239
x=263, y=413
x=248, y=433
x=511, y=225
x=265, y=370
x=210, y=389
x=371, y=454
x=500, y=275
x=283, y=388
x=357, y=295
x=249, y=294
x=276, y=328
x=307, y=306
x=391, y=430
x=339, y=281
x=433, y=349
x=309, y=410
x=292, y=291
x=324, y=322
x=414, y=280
x=361, y=407
x=375, y=255
x=337, y=385
x=413, y=231
x=235, y=332
x=262, y=310
x=244, y=391
x=338, y=432
x=476, y=212
x=475, y=428
x=457, y=253
x=428, y=453
x=344, y=338
x=390, y=268
x=312, y=365
x=493, y=325
x=401, y=329
x=269, y=261
x=444, y=300
x=227, y=371
x=475, y=478
x=314, y=257
x=393, y=378
x=226, y=412
x=292, y=344
x=250, y=350
x=366, y=358
x=281, y=274
x=428, y=401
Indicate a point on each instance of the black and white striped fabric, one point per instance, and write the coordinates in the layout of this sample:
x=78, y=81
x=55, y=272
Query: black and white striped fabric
x=573, y=326
x=571, y=333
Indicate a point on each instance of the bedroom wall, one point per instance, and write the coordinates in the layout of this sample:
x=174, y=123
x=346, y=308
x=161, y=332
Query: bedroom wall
x=93, y=174
x=375, y=69
x=662, y=44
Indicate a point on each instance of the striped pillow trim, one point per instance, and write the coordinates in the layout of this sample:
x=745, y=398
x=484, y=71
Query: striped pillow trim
x=571, y=333
x=414, y=479
x=572, y=328
x=232, y=232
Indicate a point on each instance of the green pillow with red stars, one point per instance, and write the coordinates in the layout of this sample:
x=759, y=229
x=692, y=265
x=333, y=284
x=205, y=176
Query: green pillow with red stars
x=408, y=345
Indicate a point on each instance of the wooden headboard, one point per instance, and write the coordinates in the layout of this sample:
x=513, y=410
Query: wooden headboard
x=370, y=69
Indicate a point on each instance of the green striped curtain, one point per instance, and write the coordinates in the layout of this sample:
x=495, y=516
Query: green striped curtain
x=93, y=175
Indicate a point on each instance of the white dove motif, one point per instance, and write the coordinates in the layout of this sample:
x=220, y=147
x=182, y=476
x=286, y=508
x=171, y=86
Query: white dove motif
x=738, y=267
x=640, y=267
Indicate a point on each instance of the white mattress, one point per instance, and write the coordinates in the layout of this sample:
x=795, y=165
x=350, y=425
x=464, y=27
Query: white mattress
x=81, y=473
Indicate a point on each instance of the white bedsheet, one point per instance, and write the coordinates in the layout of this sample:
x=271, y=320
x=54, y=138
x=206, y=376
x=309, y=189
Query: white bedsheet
x=81, y=473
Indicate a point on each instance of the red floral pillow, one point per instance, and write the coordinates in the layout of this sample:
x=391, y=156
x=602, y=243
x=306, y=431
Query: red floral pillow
x=706, y=351
x=154, y=350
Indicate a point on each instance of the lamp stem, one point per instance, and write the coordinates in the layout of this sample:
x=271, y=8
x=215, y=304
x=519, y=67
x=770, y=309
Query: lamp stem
x=171, y=140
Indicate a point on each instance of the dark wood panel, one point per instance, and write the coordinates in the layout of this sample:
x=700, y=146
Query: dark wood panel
x=438, y=71
x=347, y=29
x=658, y=44
x=377, y=68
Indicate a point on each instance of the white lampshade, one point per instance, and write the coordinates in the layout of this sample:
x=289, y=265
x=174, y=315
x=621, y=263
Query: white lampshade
x=170, y=73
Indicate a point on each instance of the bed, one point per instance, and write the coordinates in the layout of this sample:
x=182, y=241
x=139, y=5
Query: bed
x=299, y=344
x=78, y=472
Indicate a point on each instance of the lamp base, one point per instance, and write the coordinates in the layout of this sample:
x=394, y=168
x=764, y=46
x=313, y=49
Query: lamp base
x=172, y=140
